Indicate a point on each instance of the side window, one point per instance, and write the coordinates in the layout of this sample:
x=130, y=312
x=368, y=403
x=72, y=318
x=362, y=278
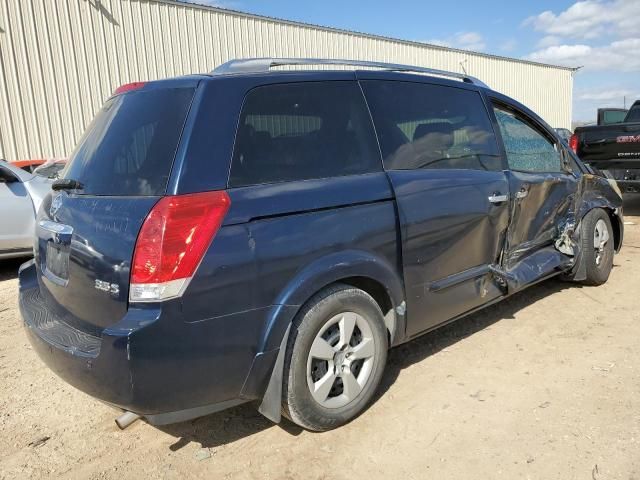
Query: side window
x=526, y=147
x=299, y=131
x=431, y=126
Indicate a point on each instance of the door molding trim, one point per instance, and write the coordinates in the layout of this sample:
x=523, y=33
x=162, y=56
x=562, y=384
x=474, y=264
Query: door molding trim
x=459, y=277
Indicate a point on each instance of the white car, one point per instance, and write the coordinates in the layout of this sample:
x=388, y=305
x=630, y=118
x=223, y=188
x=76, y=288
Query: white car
x=21, y=194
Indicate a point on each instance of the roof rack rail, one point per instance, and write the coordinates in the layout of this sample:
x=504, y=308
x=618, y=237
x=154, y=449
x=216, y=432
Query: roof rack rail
x=258, y=65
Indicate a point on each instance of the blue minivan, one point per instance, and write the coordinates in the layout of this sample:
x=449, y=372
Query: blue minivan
x=263, y=234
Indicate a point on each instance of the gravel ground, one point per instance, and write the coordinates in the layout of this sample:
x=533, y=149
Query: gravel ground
x=544, y=385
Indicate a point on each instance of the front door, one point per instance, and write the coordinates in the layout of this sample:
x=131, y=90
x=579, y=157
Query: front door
x=543, y=195
x=452, y=194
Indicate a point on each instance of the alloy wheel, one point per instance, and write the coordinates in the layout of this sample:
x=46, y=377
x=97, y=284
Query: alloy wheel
x=340, y=360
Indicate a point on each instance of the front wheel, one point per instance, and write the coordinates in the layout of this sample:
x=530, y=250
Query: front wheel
x=597, y=246
x=335, y=358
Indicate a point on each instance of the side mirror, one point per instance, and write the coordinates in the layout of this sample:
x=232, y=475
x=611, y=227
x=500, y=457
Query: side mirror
x=7, y=176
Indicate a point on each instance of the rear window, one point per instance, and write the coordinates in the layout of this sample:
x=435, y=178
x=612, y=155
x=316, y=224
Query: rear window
x=129, y=147
x=300, y=131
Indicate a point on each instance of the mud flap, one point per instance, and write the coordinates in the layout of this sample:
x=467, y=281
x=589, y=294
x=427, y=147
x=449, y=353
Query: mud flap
x=271, y=406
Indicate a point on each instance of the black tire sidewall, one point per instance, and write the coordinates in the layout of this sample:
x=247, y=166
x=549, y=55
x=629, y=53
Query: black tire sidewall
x=298, y=403
x=596, y=274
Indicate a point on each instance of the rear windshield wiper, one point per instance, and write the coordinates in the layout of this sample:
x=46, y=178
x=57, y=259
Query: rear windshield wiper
x=67, y=184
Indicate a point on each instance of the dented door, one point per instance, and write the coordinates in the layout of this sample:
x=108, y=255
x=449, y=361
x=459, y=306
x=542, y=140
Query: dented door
x=542, y=204
x=452, y=194
x=542, y=193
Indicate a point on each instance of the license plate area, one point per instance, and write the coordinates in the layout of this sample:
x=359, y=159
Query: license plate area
x=57, y=236
x=56, y=266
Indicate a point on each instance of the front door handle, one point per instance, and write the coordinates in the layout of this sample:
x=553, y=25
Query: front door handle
x=498, y=198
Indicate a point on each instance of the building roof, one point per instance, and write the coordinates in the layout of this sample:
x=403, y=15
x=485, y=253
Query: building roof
x=228, y=11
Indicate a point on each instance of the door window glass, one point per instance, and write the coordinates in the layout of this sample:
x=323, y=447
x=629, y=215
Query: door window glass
x=526, y=147
x=299, y=131
x=431, y=126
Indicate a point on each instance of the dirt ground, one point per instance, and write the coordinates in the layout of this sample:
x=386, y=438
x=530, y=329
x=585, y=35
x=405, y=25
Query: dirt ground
x=545, y=385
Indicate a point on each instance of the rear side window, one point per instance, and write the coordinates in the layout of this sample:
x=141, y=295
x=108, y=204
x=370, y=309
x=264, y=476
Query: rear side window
x=129, y=147
x=300, y=131
x=431, y=126
x=526, y=147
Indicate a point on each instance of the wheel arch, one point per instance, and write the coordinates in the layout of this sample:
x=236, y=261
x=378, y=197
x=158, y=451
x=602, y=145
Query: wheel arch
x=617, y=224
x=361, y=269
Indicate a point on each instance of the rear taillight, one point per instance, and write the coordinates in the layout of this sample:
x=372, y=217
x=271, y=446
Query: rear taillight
x=172, y=241
x=573, y=143
x=127, y=87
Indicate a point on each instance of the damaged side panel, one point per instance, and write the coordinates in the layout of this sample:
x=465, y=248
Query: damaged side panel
x=450, y=234
x=595, y=192
x=544, y=232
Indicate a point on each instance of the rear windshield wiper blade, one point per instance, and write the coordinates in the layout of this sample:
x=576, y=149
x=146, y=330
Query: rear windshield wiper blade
x=67, y=184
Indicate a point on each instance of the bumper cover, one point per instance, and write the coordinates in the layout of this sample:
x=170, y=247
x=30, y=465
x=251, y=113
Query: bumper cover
x=151, y=362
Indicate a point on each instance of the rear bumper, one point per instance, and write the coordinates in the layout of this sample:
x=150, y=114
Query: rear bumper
x=152, y=362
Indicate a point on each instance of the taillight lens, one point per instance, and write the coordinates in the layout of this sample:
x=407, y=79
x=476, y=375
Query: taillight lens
x=573, y=143
x=127, y=87
x=172, y=241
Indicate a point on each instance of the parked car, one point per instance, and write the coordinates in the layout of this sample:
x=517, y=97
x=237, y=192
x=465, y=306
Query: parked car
x=268, y=235
x=614, y=149
x=21, y=194
x=564, y=134
x=51, y=168
x=29, y=165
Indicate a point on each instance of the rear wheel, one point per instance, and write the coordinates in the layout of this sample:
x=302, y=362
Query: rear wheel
x=336, y=354
x=597, y=246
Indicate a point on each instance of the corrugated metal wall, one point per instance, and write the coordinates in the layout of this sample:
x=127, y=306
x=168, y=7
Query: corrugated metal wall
x=60, y=59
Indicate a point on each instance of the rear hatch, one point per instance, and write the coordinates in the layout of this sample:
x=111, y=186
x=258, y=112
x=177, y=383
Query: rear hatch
x=610, y=146
x=86, y=236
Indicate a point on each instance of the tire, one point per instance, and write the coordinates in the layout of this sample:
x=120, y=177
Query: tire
x=598, y=258
x=343, y=373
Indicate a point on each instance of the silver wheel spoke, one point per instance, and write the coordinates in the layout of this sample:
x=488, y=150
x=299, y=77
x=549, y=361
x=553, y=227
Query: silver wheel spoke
x=321, y=349
x=347, y=324
x=600, y=239
x=600, y=235
x=334, y=358
x=365, y=349
x=323, y=386
x=604, y=237
x=350, y=384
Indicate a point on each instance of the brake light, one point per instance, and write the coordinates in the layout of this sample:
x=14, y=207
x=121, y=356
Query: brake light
x=573, y=143
x=172, y=241
x=127, y=87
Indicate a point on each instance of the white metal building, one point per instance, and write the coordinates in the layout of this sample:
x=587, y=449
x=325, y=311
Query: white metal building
x=60, y=59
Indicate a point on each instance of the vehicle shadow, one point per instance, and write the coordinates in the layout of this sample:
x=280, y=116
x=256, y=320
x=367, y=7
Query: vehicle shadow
x=243, y=421
x=443, y=337
x=9, y=268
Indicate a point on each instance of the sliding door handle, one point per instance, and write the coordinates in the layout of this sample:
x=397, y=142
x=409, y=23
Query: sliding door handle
x=498, y=198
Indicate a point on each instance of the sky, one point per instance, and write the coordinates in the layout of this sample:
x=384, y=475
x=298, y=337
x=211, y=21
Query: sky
x=601, y=36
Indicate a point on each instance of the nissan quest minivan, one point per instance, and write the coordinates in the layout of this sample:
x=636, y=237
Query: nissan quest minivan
x=262, y=234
